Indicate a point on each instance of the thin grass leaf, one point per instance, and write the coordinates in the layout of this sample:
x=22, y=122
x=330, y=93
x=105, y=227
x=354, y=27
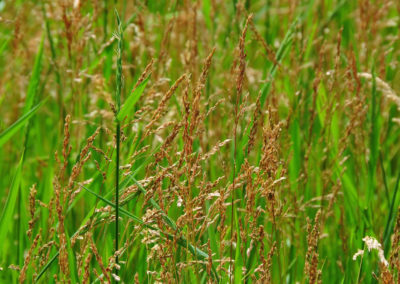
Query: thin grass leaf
x=168, y=220
x=35, y=79
x=391, y=218
x=238, y=255
x=123, y=211
x=3, y=46
x=10, y=131
x=47, y=266
x=280, y=55
x=71, y=261
x=132, y=100
x=119, y=35
x=6, y=219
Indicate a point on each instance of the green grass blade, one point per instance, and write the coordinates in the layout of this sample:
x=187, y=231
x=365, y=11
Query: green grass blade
x=132, y=100
x=391, y=218
x=119, y=35
x=123, y=211
x=47, y=266
x=34, y=80
x=280, y=55
x=10, y=131
x=72, y=261
x=238, y=255
x=168, y=220
x=6, y=219
x=4, y=46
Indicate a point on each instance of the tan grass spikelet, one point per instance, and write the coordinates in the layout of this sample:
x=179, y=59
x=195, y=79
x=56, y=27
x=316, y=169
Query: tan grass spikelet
x=32, y=207
x=161, y=107
x=28, y=257
x=311, y=265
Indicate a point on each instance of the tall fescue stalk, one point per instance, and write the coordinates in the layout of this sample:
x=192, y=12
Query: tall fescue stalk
x=238, y=99
x=119, y=35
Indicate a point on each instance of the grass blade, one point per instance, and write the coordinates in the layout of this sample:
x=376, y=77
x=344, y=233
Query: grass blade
x=168, y=220
x=118, y=91
x=132, y=100
x=34, y=80
x=3, y=46
x=391, y=219
x=10, y=131
x=123, y=211
x=238, y=255
x=47, y=266
x=6, y=220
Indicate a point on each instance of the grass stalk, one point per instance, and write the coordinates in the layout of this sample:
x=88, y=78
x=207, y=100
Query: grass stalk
x=119, y=35
x=117, y=193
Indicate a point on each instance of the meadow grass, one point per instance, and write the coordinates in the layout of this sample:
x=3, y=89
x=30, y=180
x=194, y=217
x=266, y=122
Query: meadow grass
x=243, y=141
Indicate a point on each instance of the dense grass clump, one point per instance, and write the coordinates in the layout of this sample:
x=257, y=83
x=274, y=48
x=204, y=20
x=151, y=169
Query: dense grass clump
x=244, y=141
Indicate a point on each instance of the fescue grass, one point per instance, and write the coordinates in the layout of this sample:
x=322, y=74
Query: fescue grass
x=119, y=36
x=199, y=141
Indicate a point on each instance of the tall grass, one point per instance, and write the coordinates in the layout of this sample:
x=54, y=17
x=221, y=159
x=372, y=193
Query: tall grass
x=119, y=35
x=201, y=142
